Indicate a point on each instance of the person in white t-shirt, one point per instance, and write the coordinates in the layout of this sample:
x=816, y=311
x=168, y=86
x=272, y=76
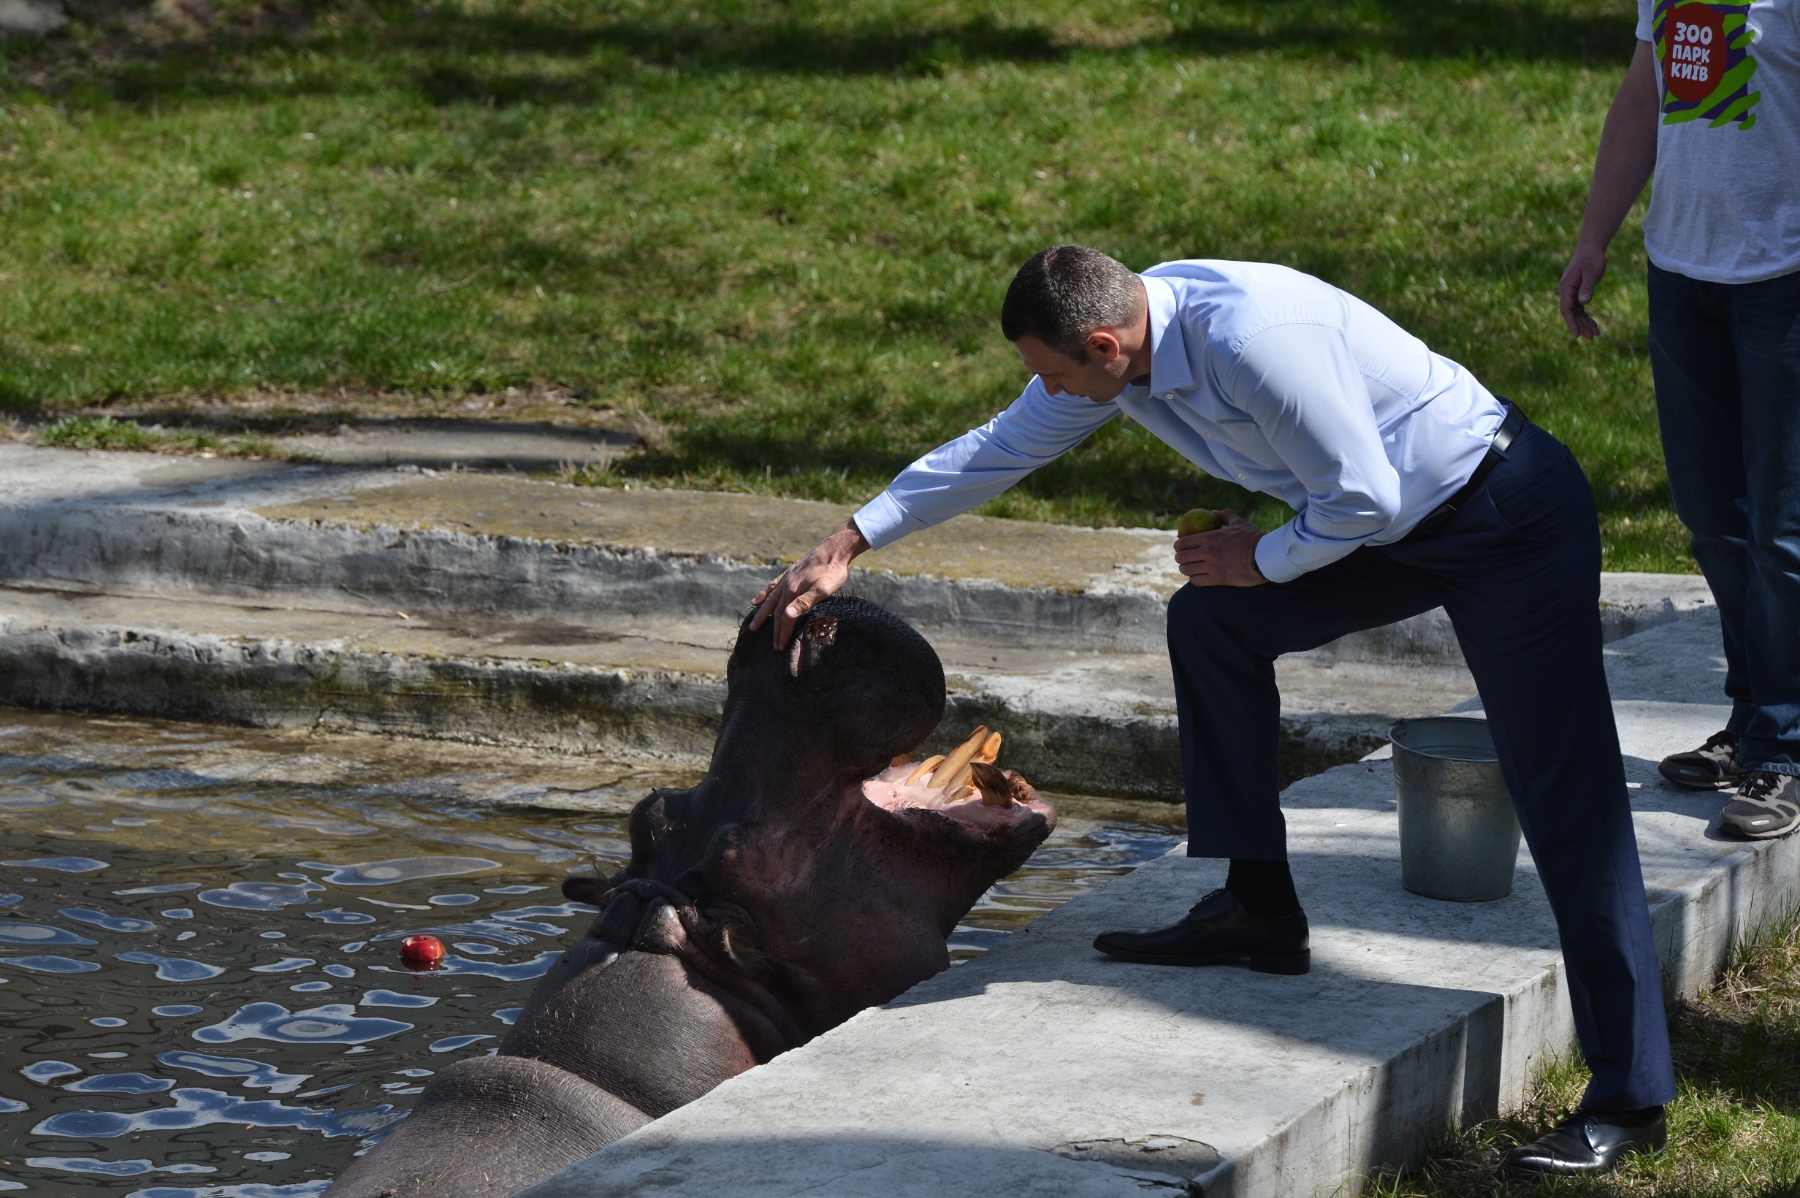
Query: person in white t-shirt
x=1711, y=104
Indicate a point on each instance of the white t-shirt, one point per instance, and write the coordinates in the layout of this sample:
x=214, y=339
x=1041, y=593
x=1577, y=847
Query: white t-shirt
x=1725, y=205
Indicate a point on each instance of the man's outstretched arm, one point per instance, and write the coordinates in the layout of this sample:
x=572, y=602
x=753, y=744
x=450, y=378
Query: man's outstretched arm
x=1038, y=427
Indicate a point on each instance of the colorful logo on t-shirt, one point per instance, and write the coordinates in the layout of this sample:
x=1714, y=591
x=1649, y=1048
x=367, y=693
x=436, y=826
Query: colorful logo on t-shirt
x=1703, y=50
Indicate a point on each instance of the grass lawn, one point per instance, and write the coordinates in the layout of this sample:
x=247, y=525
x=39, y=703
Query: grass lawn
x=780, y=229
x=1734, y=1131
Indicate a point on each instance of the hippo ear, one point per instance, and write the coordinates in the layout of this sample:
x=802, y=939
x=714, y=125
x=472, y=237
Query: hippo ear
x=582, y=889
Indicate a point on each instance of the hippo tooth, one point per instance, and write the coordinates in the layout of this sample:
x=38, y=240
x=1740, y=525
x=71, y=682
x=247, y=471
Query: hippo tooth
x=990, y=749
x=959, y=779
x=925, y=767
x=996, y=791
x=959, y=757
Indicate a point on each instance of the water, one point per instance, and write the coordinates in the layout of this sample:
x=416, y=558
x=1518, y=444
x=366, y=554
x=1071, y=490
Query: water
x=200, y=986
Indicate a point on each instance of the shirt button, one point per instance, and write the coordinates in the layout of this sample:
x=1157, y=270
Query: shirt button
x=1168, y=395
x=1240, y=476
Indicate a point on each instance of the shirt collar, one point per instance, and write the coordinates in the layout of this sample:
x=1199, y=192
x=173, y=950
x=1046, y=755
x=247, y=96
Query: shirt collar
x=1168, y=346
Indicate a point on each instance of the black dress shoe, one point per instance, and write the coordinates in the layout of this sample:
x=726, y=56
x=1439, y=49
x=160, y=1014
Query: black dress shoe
x=1218, y=931
x=1590, y=1142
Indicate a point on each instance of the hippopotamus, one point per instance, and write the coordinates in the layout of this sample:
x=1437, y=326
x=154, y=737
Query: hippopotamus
x=815, y=871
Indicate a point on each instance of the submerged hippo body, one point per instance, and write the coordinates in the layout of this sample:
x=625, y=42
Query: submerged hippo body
x=797, y=884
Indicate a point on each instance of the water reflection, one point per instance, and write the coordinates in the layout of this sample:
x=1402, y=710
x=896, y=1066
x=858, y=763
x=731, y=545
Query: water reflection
x=334, y=1023
x=255, y=1075
x=298, y=874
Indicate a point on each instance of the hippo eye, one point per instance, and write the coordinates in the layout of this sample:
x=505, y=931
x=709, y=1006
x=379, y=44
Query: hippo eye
x=820, y=633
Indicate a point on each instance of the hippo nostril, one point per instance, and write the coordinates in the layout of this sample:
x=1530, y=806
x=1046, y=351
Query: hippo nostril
x=660, y=930
x=618, y=924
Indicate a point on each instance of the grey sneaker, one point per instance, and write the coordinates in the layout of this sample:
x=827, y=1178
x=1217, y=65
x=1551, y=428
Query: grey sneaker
x=1713, y=766
x=1767, y=805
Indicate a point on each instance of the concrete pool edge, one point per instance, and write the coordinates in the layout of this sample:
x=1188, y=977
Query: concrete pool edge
x=275, y=595
x=1089, y=723
x=1418, y=1015
x=430, y=541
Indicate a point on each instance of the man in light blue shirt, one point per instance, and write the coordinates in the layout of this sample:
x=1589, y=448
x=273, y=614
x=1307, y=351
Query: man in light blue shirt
x=1240, y=355
x=1413, y=487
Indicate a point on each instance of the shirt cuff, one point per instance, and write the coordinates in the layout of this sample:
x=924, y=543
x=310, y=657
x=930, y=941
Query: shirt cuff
x=883, y=521
x=1272, y=555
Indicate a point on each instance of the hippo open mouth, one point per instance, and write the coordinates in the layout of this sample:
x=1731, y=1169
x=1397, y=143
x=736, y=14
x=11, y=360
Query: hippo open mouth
x=815, y=871
x=963, y=787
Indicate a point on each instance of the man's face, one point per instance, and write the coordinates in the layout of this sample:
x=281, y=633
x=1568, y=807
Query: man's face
x=1100, y=378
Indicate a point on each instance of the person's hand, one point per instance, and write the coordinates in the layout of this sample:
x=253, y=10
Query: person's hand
x=1224, y=557
x=802, y=585
x=1576, y=289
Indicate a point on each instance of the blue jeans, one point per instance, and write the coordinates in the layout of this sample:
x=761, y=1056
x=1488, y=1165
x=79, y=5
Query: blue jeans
x=1518, y=570
x=1726, y=359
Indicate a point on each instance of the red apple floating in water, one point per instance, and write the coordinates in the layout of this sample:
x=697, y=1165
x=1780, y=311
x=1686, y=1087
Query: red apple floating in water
x=421, y=952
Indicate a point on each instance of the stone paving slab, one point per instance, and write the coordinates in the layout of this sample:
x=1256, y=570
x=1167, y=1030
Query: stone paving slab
x=1043, y=1068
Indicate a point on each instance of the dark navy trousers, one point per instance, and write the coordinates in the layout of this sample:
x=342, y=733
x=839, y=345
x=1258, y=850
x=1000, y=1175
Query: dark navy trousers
x=1726, y=358
x=1518, y=571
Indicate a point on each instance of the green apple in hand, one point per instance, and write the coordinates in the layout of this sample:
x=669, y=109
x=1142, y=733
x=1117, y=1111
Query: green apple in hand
x=1196, y=520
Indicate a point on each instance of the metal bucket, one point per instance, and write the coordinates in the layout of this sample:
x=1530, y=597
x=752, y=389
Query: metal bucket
x=1459, y=835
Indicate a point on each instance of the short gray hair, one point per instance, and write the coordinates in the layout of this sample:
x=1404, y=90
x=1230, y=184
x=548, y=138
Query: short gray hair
x=1066, y=292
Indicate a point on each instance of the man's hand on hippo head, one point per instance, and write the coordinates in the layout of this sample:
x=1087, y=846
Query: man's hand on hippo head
x=818, y=575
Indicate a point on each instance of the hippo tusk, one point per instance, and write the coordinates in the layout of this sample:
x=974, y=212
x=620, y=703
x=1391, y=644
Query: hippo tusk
x=959, y=756
x=990, y=749
x=925, y=767
x=996, y=791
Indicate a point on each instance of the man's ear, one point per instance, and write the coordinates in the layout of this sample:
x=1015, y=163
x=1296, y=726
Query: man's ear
x=1104, y=344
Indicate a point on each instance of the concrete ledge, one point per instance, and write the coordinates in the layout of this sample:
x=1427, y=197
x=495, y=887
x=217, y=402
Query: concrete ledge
x=1042, y=1068
x=1095, y=724
x=268, y=683
x=474, y=543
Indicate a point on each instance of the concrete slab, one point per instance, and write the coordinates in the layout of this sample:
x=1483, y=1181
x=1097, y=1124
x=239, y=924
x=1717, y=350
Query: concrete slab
x=424, y=540
x=1042, y=1068
x=621, y=683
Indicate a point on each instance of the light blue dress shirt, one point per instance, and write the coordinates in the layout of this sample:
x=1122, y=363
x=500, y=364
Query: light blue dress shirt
x=1260, y=375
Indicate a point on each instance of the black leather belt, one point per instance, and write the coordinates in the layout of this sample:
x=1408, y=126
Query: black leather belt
x=1439, y=516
